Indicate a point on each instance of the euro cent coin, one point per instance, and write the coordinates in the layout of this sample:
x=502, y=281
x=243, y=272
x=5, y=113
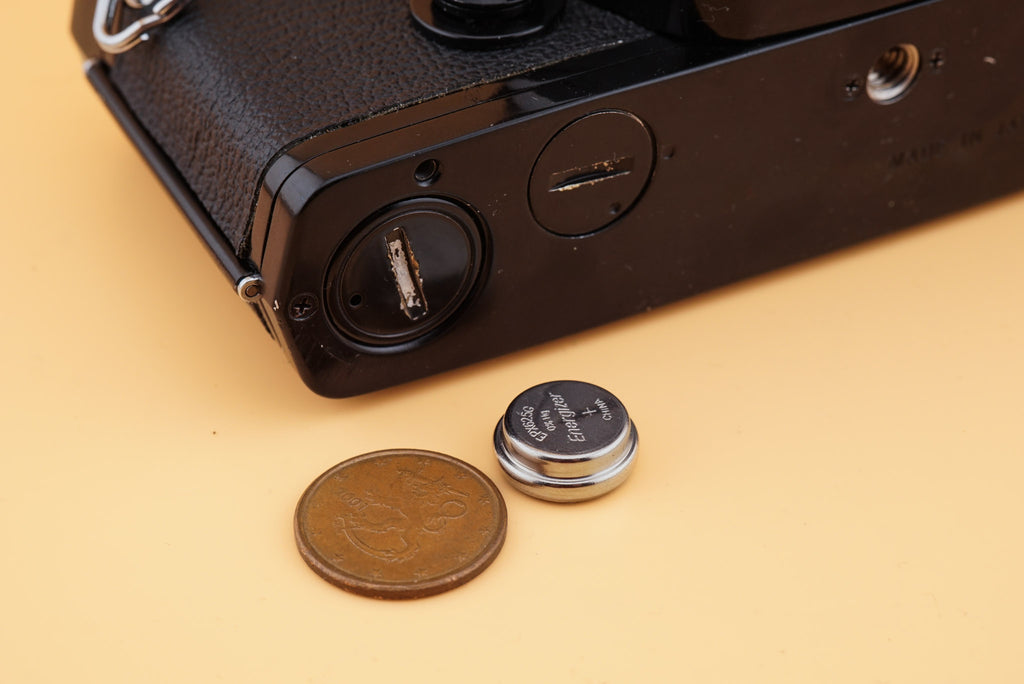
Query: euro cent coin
x=400, y=523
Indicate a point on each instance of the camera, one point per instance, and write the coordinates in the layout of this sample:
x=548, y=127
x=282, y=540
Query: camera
x=403, y=187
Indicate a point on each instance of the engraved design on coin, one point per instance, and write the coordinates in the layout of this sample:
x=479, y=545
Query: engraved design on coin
x=378, y=526
x=392, y=524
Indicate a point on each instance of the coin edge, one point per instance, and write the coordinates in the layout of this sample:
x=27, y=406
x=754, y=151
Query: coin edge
x=406, y=590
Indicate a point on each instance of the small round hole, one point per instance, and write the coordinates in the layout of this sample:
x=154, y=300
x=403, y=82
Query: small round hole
x=428, y=172
x=355, y=301
x=894, y=74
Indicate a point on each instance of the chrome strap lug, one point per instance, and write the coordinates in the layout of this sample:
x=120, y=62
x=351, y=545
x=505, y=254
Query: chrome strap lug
x=114, y=41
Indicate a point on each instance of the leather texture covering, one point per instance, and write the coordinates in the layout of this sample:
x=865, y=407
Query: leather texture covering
x=230, y=84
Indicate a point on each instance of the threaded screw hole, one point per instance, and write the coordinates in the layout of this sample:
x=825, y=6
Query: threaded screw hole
x=894, y=74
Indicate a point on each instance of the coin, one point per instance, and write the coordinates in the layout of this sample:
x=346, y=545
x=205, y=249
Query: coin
x=400, y=523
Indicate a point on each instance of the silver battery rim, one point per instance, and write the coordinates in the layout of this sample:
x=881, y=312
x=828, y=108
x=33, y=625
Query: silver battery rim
x=564, y=490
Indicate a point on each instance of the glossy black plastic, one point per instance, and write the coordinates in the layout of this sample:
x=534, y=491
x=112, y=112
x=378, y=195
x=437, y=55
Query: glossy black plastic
x=766, y=155
x=591, y=173
x=765, y=152
x=484, y=24
x=744, y=19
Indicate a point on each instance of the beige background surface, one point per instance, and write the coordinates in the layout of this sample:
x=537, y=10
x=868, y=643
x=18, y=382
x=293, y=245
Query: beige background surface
x=829, y=487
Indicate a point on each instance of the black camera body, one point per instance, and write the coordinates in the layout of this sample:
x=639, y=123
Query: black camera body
x=396, y=199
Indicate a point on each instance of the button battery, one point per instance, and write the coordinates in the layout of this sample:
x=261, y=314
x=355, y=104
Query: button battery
x=566, y=441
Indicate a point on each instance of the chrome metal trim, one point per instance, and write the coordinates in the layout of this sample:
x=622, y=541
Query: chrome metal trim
x=250, y=288
x=114, y=41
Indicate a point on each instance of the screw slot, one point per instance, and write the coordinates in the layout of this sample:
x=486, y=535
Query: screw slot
x=893, y=75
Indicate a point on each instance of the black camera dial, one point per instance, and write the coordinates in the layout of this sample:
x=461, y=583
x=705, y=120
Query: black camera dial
x=476, y=8
x=482, y=24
